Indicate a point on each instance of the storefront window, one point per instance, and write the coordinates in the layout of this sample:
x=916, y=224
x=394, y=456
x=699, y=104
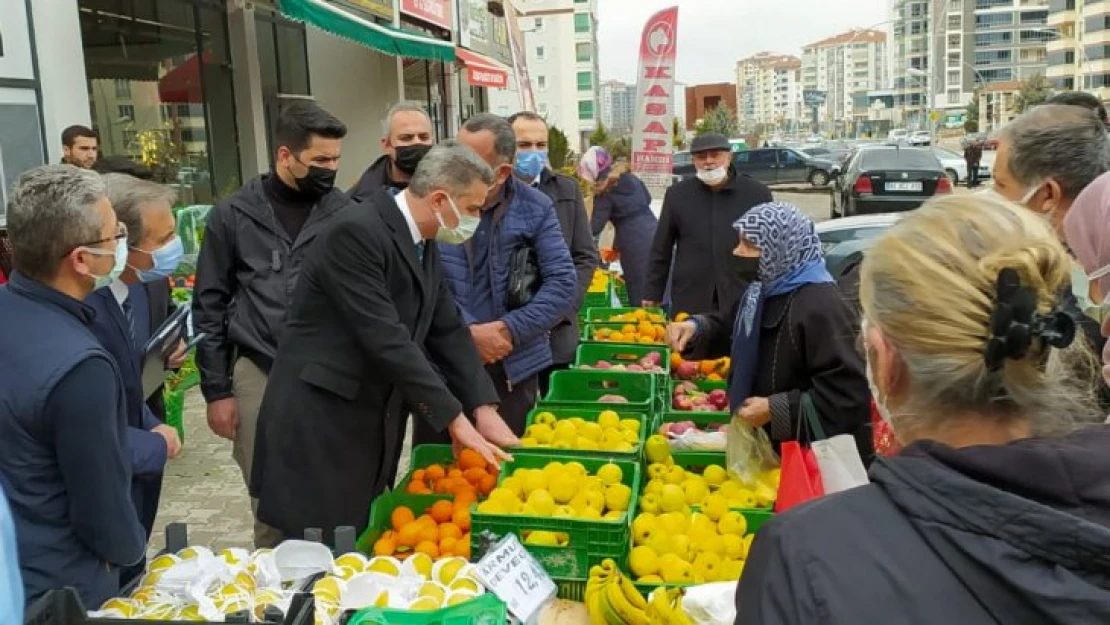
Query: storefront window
x=161, y=90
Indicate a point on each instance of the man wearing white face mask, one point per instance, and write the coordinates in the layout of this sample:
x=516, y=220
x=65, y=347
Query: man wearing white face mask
x=694, y=241
x=128, y=311
x=371, y=330
x=63, y=456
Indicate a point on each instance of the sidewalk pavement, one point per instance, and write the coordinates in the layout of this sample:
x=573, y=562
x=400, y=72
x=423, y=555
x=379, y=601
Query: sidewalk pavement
x=204, y=488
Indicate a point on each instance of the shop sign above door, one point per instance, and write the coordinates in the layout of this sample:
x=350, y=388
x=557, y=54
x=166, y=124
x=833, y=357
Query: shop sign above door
x=382, y=9
x=436, y=12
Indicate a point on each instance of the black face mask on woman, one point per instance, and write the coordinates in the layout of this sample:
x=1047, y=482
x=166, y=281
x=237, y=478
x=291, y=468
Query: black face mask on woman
x=408, y=157
x=746, y=268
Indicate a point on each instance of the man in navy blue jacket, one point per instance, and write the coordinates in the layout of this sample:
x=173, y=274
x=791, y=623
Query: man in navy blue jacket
x=62, y=421
x=514, y=344
x=128, y=311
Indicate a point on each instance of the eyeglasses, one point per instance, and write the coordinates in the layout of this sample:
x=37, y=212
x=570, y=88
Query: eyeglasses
x=121, y=233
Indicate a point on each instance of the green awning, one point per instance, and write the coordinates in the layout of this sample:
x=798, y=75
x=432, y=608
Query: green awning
x=387, y=39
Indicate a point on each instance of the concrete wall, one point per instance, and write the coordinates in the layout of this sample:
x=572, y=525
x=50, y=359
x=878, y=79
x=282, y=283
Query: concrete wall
x=358, y=85
x=65, y=96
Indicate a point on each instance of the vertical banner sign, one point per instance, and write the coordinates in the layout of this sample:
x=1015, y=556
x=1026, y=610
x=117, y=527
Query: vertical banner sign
x=652, y=147
x=520, y=59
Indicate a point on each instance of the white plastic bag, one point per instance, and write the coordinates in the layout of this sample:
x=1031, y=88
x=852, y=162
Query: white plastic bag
x=840, y=464
x=749, y=451
x=696, y=440
x=711, y=604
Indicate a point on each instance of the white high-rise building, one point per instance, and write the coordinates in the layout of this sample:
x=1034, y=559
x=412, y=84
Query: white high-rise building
x=618, y=106
x=560, y=40
x=845, y=67
x=1084, y=26
x=768, y=89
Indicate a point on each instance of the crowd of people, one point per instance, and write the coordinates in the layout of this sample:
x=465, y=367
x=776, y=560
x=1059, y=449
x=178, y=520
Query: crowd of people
x=443, y=286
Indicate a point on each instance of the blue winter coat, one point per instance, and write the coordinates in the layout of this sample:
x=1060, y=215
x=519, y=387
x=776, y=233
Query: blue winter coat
x=529, y=220
x=628, y=206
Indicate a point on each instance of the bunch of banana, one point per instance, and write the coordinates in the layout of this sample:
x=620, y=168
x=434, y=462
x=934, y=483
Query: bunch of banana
x=611, y=599
x=665, y=607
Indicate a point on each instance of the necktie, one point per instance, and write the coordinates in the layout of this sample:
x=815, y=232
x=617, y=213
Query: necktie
x=129, y=314
x=420, y=252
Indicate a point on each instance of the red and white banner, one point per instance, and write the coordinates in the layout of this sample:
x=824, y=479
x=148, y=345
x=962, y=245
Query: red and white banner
x=436, y=12
x=652, y=147
x=482, y=71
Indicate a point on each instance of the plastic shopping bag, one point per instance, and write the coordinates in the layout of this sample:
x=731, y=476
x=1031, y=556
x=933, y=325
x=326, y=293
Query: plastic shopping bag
x=840, y=464
x=748, y=450
x=800, y=480
x=711, y=604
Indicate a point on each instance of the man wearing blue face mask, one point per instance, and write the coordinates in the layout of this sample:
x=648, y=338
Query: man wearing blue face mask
x=63, y=454
x=128, y=311
x=570, y=208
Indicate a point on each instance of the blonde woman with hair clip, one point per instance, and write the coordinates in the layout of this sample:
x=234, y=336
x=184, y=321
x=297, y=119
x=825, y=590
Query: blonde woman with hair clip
x=998, y=509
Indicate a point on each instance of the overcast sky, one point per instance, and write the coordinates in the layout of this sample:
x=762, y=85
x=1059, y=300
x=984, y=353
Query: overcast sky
x=714, y=34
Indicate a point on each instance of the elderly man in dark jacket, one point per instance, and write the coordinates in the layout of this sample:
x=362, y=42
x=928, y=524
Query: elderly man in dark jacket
x=408, y=137
x=695, y=233
x=253, y=251
x=514, y=344
x=63, y=459
x=532, y=167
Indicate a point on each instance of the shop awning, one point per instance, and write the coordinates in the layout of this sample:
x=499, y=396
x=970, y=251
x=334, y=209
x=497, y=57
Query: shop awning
x=482, y=71
x=181, y=85
x=343, y=23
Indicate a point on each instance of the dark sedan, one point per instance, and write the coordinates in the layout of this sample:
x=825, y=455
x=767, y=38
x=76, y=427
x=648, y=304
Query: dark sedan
x=887, y=179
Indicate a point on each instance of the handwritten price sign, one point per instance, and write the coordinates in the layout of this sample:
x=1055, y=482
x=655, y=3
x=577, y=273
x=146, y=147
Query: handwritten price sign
x=511, y=573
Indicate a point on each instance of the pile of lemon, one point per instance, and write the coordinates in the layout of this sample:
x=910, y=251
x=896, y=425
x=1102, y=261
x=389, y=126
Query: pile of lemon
x=599, y=283
x=230, y=581
x=670, y=487
x=608, y=433
x=564, y=490
x=416, y=584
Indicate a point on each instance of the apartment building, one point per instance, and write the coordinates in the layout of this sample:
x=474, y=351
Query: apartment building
x=845, y=67
x=1079, y=58
x=946, y=50
x=768, y=89
x=560, y=40
x=618, y=106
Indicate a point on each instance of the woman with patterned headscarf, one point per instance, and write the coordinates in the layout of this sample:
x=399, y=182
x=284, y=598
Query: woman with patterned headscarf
x=621, y=199
x=790, y=333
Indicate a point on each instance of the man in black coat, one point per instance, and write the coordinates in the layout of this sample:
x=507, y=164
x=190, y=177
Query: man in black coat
x=532, y=166
x=695, y=233
x=371, y=315
x=408, y=137
x=254, y=246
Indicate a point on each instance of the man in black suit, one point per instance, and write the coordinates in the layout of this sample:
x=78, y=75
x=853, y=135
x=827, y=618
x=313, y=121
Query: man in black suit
x=532, y=167
x=370, y=316
x=128, y=311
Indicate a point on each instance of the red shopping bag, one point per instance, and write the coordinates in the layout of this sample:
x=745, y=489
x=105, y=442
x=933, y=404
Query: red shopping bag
x=800, y=479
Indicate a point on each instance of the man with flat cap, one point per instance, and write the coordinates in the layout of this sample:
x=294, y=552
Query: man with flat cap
x=694, y=241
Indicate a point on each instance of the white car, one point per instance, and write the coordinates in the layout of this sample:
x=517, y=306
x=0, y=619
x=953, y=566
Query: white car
x=844, y=240
x=898, y=134
x=920, y=137
x=956, y=167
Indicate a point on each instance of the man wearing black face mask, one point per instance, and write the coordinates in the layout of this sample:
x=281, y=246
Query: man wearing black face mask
x=253, y=249
x=408, y=137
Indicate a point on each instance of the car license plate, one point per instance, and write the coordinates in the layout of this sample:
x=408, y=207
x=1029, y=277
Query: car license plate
x=903, y=186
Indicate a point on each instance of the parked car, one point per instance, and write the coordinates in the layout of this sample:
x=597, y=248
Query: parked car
x=769, y=166
x=920, y=138
x=844, y=240
x=783, y=166
x=898, y=134
x=886, y=179
x=683, y=166
x=956, y=167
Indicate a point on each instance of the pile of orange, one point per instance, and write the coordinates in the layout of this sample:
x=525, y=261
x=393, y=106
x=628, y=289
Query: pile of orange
x=644, y=332
x=443, y=531
x=469, y=478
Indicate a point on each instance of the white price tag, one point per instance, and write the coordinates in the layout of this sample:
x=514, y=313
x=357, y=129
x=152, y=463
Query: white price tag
x=511, y=573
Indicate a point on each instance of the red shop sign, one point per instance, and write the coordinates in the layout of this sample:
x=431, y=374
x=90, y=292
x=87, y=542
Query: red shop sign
x=436, y=12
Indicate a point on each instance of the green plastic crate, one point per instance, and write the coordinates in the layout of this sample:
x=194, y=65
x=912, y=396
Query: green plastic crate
x=596, y=299
x=174, y=401
x=590, y=329
x=604, y=314
x=697, y=461
x=589, y=414
x=582, y=390
x=485, y=610
x=590, y=541
x=620, y=353
x=381, y=510
x=703, y=385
